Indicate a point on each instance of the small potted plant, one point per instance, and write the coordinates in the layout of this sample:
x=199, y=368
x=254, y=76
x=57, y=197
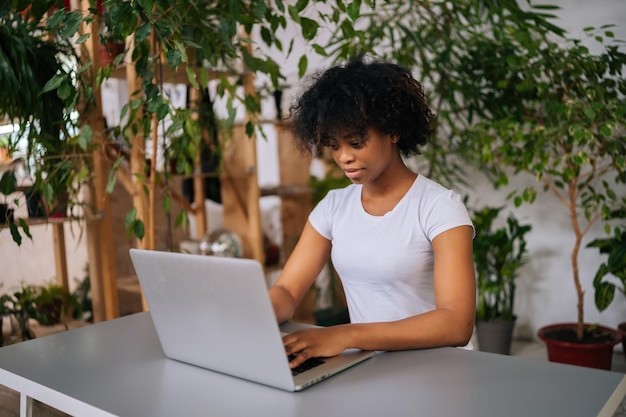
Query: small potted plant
x=55, y=305
x=498, y=255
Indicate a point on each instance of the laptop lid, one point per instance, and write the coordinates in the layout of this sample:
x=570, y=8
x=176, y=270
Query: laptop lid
x=215, y=312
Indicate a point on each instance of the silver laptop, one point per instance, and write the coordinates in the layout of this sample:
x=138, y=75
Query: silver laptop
x=215, y=312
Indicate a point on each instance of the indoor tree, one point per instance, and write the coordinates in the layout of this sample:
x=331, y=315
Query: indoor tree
x=434, y=39
x=563, y=123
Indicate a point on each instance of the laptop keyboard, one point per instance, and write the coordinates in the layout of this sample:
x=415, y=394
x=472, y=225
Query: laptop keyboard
x=306, y=365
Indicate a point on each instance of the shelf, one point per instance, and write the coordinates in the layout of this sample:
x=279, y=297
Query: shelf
x=30, y=221
x=286, y=190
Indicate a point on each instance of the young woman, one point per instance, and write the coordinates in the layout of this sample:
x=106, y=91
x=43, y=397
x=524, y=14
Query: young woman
x=401, y=243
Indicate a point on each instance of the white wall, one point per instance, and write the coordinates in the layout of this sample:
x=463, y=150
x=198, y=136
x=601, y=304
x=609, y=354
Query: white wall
x=33, y=261
x=545, y=289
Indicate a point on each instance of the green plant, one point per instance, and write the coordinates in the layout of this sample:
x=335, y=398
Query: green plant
x=498, y=255
x=48, y=304
x=615, y=265
x=41, y=77
x=54, y=304
x=438, y=40
x=563, y=124
x=202, y=41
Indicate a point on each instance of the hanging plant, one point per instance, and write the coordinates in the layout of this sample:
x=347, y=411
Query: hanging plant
x=40, y=77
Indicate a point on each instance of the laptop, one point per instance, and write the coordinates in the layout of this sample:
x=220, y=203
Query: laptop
x=215, y=312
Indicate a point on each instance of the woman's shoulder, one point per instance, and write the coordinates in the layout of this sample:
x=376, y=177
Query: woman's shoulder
x=429, y=195
x=425, y=186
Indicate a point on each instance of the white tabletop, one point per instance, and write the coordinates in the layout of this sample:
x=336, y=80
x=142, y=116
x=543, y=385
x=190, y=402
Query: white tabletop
x=118, y=368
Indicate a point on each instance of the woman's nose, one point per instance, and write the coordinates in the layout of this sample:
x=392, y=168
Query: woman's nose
x=344, y=154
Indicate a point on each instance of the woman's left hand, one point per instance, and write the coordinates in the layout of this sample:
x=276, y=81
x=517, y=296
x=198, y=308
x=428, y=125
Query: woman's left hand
x=315, y=343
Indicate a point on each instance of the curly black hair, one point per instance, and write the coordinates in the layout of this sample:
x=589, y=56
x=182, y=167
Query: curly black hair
x=358, y=96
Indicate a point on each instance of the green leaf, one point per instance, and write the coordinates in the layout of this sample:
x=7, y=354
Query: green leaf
x=354, y=10
x=302, y=65
x=25, y=228
x=71, y=25
x=112, y=177
x=174, y=58
x=64, y=91
x=604, y=294
x=53, y=83
x=8, y=183
x=146, y=5
x=294, y=13
x=139, y=229
x=191, y=76
x=266, y=35
x=606, y=131
x=15, y=233
x=162, y=111
x=249, y=129
x=309, y=28
x=84, y=139
x=143, y=32
x=82, y=38
x=319, y=50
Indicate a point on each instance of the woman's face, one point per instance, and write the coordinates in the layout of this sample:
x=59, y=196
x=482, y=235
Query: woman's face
x=364, y=158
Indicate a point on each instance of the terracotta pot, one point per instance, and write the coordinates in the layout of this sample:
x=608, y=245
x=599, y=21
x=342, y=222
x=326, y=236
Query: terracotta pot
x=109, y=51
x=58, y=207
x=592, y=355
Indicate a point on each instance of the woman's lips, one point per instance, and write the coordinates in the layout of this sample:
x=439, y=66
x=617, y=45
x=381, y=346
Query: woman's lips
x=352, y=173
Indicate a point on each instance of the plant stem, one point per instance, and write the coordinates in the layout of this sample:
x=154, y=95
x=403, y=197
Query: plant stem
x=574, y=257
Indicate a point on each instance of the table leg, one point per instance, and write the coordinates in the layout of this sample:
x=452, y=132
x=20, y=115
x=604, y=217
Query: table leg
x=26, y=405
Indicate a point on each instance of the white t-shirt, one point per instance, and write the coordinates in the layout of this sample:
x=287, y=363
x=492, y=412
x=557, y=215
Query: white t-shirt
x=386, y=262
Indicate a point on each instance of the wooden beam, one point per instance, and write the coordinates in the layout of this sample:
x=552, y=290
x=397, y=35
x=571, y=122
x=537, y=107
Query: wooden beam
x=60, y=259
x=101, y=254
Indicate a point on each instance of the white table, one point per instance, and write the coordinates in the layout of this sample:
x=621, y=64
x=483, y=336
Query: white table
x=117, y=368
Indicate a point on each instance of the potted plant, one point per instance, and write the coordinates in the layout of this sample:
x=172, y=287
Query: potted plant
x=55, y=305
x=48, y=305
x=498, y=255
x=564, y=125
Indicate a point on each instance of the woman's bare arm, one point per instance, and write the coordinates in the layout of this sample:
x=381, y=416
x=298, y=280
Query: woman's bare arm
x=302, y=268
